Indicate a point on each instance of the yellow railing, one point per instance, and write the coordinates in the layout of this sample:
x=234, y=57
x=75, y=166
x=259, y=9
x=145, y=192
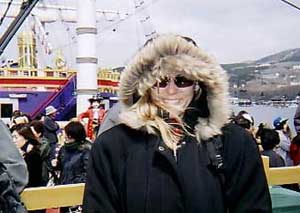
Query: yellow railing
x=70, y=195
x=53, y=197
x=15, y=72
x=281, y=175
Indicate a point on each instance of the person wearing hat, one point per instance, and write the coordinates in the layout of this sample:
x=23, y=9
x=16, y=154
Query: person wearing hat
x=245, y=120
x=283, y=149
x=50, y=129
x=95, y=115
x=156, y=157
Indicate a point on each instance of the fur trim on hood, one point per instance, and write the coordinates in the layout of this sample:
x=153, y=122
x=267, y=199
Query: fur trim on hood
x=175, y=54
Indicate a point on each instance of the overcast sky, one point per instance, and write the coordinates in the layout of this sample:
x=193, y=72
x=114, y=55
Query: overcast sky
x=231, y=30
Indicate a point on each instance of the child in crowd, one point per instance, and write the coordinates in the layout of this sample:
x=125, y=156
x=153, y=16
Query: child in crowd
x=269, y=140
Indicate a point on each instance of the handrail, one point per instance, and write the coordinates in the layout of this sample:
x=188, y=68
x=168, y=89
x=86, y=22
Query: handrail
x=51, y=98
x=53, y=197
x=285, y=175
x=281, y=175
x=70, y=195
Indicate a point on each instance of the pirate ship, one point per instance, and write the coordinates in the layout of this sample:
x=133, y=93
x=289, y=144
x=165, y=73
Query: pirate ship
x=30, y=89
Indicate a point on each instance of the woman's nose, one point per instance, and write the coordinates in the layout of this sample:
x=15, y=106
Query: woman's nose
x=171, y=88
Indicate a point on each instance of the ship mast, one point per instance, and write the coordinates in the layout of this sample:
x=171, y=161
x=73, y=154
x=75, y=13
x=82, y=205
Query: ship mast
x=86, y=59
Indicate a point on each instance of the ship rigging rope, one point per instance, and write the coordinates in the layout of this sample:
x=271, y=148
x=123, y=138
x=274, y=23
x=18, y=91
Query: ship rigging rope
x=128, y=16
x=145, y=22
x=5, y=13
x=291, y=4
x=70, y=36
x=108, y=27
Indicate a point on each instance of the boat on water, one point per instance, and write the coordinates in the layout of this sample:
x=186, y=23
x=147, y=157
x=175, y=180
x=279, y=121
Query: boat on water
x=283, y=103
x=244, y=102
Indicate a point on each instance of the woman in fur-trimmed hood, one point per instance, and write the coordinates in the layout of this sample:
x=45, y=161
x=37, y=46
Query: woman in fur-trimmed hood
x=171, y=55
x=158, y=154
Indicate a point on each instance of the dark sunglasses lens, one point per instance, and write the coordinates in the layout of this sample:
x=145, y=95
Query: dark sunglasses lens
x=181, y=82
x=163, y=83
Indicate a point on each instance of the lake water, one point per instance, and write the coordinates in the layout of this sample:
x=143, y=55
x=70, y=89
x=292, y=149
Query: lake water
x=267, y=114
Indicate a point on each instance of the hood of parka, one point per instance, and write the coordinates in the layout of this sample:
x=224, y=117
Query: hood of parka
x=169, y=54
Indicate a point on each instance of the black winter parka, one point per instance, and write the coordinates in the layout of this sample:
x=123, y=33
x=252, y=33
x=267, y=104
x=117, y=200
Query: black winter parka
x=72, y=163
x=132, y=171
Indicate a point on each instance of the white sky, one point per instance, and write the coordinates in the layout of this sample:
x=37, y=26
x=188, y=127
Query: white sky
x=231, y=30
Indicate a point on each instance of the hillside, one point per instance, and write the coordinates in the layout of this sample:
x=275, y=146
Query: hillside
x=268, y=75
x=284, y=56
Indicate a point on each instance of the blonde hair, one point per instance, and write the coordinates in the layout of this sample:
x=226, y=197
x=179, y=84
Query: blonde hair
x=147, y=110
x=165, y=55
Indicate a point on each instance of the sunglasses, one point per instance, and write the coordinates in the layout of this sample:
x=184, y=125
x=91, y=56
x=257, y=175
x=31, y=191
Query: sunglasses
x=179, y=81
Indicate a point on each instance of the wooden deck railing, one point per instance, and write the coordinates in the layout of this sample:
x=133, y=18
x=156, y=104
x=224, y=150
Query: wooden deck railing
x=281, y=175
x=70, y=195
x=53, y=197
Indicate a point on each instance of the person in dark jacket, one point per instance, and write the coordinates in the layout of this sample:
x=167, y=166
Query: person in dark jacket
x=158, y=155
x=50, y=129
x=29, y=147
x=73, y=157
x=37, y=128
x=269, y=140
x=51, y=126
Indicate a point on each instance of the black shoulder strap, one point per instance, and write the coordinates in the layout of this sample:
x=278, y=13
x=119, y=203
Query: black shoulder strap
x=214, y=147
x=215, y=151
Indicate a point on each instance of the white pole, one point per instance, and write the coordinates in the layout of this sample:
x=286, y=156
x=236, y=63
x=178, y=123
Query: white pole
x=87, y=55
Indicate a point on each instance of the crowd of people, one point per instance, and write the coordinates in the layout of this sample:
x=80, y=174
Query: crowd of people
x=276, y=141
x=47, y=160
x=170, y=144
